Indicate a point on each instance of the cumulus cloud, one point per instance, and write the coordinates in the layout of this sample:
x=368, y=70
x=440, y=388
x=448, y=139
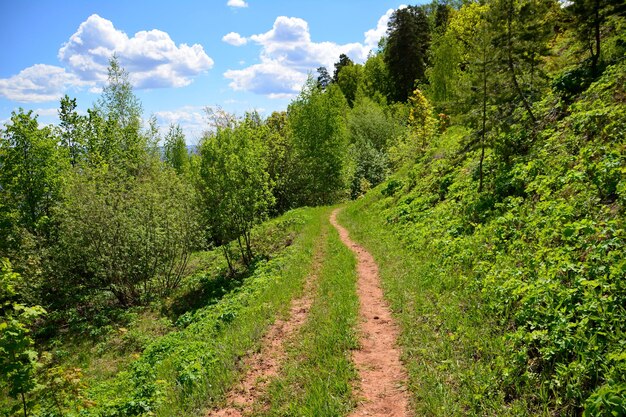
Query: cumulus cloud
x=237, y=3
x=288, y=54
x=268, y=78
x=192, y=120
x=39, y=83
x=373, y=36
x=151, y=57
x=235, y=39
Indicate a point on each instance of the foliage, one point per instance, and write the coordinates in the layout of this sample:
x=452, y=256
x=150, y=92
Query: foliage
x=18, y=358
x=175, y=150
x=317, y=123
x=537, y=255
x=127, y=235
x=234, y=185
x=29, y=179
x=406, y=51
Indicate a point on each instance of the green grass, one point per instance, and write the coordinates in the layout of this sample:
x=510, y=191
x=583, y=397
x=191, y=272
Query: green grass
x=448, y=343
x=318, y=375
x=181, y=355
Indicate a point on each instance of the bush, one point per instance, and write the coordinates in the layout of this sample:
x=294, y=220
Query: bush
x=127, y=235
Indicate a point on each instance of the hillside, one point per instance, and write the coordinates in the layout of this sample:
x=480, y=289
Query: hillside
x=513, y=300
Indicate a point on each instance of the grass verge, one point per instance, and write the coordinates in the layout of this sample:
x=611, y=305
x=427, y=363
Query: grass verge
x=448, y=342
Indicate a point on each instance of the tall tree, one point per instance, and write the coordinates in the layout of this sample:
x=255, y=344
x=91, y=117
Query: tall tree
x=30, y=170
x=588, y=18
x=323, y=78
x=406, y=52
x=344, y=61
x=349, y=79
x=317, y=123
x=521, y=34
x=71, y=130
x=121, y=140
x=234, y=186
x=175, y=149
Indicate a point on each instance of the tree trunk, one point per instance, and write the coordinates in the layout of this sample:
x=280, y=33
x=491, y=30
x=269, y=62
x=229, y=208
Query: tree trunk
x=24, y=404
x=484, y=124
x=511, y=64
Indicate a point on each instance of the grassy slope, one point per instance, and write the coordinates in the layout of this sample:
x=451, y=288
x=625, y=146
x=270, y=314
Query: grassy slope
x=155, y=366
x=512, y=301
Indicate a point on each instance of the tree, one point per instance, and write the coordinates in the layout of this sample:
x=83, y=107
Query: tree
x=406, y=52
x=344, y=61
x=371, y=131
x=127, y=235
x=18, y=359
x=349, y=80
x=280, y=160
x=588, y=17
x=323, y=78
x=318, y=128
x=234, y=186
x=30, y=171
x=119, y=138
x=71, y=130
x=376, y=81
x=175, y=149
x=521, y=34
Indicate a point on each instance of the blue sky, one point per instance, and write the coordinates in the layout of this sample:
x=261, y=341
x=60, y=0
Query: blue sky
x=182, y=56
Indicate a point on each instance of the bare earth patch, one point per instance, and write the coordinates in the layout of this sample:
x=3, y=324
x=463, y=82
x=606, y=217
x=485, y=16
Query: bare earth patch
x=265, y=364
x=378, y=360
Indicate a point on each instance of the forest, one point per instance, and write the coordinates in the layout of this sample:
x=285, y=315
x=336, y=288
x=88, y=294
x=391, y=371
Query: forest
x=480, y=155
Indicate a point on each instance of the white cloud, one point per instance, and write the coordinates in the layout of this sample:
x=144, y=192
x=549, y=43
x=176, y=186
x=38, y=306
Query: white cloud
x=192, y=119
x=269, y=78
x=288, y=54
x=151, y=57
x=235, y=39
x=373, y=36
x=50, y=112
x=237, y=3
x=39, y=83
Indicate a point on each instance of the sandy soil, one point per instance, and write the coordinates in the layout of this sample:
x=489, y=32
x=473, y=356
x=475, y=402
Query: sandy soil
x=381, y=373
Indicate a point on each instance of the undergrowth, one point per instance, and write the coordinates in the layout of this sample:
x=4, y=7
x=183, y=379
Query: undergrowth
x=512, y=300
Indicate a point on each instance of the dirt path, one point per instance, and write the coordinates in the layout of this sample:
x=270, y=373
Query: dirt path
x=378, y=360
x=263, y=365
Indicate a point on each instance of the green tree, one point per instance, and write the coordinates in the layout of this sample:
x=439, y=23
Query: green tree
x=588, y=18
x=175, y=149
x=318, y=128
x=127, y=235
x=376, y=82
x=323, y=78
x=119, y=137
x=521, y=33
x=406, y=51
x=344, y=61
x=234, y=185
x=30, y=172
x=280, y=160
x=18, y=359
x=371, y=131
x=71, y=130
x=349, y=79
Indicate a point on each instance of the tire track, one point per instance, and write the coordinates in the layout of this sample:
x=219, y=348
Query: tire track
x=381, y=372
x=265, y=364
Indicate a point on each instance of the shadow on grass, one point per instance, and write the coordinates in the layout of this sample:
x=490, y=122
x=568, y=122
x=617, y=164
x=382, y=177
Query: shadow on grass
x=210, y=289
